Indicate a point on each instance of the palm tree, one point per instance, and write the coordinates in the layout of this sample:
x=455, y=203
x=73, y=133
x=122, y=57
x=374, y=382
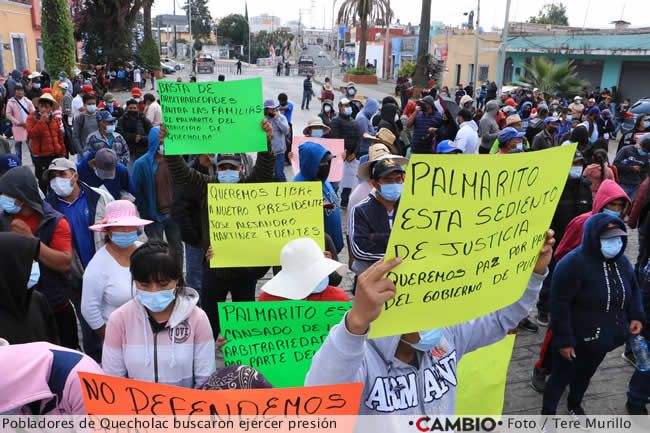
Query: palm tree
x=364, y=10
x=552, y=78
x=421, y=79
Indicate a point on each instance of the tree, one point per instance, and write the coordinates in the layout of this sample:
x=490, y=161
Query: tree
x=263, y=41
x=233, y=28
x=552, y=78
x=551, y=13
x=201, y=19
x=148, y=53
x=364, y=10
x=421, y=78
x=58, y=37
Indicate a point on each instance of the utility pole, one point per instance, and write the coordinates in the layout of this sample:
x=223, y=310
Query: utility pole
x=502, y=50
x=175, y=43
x=189, y=19
x=334, y=30
x=387, y=54
x=476, y=44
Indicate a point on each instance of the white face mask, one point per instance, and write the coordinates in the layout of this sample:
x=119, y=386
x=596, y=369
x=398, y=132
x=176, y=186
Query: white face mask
x=61, y=186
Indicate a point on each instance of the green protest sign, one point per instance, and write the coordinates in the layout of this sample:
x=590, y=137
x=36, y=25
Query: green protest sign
x=277, y=338
x=213, y=117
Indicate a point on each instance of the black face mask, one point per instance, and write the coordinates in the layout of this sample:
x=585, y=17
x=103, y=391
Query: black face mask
x=323, y=172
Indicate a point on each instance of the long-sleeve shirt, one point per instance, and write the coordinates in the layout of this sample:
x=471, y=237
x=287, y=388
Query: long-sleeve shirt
x=154, y=114
x=280, y=127
x=631, y=165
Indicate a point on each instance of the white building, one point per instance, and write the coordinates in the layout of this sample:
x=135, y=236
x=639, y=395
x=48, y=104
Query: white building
x=264, y=22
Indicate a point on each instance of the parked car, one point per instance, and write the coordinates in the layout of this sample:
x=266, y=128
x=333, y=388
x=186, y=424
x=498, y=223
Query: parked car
x=205, y=64
x=172, y=63
x=306, y=65
x=166, y=68
x=640, y=107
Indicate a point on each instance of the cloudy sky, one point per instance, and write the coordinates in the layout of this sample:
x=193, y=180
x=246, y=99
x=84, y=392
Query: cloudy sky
x=592, y=13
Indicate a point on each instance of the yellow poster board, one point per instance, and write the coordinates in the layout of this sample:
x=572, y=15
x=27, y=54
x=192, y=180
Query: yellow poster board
x=482, y=377
x=250, y=223
x=469, y=229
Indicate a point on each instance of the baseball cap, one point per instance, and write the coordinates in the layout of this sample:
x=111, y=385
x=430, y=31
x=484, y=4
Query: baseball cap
x=594, y=110
x=551, y=119
x=577, y=98
x=136, y=92
x=7, y=162
x=108, y=97
x=344, y=101
x=229, y=158
x=447, y=146
x=613, y=232
x=270, y=103
x=86, y=88
x=19, y=86
x=106, y=163
x=509, y=133
x=384, y=167
x=104, y=116
x=59, y=164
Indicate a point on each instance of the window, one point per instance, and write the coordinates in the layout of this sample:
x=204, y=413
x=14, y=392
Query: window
x=483, y=73
x=458, y=71
x=470, y=73
x=508, y=70
x=19, y=51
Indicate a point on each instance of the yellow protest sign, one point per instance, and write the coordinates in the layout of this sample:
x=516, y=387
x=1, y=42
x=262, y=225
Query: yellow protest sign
x=482, y=376
x=250, y=223
x=469, y=229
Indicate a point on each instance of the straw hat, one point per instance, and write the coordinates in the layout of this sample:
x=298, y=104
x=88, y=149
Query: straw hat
x=384, y=136
x=303, y=267
x=47, y=97
x=120, y=213
x=510, y=120
x=315, y=122
x=377, y=152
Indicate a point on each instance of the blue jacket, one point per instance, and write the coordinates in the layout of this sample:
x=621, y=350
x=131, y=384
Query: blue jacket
x=365, y=126
x=593, y=299
x=311, y=155
x=121, y=182
x=144, y=179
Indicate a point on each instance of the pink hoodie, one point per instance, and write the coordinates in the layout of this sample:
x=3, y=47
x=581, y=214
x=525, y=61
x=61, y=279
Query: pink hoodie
x=608, y=191
x=43, y=374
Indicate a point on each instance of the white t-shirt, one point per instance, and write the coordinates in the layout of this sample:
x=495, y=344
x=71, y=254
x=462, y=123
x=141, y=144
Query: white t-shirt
x=106, y=287
x=77, y=103
x=137, y=77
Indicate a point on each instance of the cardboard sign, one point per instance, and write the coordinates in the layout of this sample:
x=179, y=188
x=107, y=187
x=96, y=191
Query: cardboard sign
x=277, y=338
x=469, y=229
x=251, y=223
x=334, y=145
x=482, y=376
x=213, y=117
x=107, y=395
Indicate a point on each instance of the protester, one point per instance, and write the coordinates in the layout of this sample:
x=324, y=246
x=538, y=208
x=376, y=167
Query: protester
x=448, y=147
x=510, y=139
x=106, y=137
x=101, y=170
x=594, y=300
x=488, y=129
x=152, y=110
x=576, y=108
x=305, y=275
x=641, y=127
x=548, y=137
x=599, y=170
x=425, y=120
x=590, y=123
x=307, y=92
x=315, y=128
x=364, y=124
x=466, y=140
x=7, y=162
x=78, y=103
x=134, y=127
x=160, y=335
x=327, y=113
x=347, y=355
x=389, y=119
x=280, y=126
x=85, y=123
x=285, y=107
x=632, y=164
x=343, y=126
x=606, y=125
x=327, y=91
x=18, y=110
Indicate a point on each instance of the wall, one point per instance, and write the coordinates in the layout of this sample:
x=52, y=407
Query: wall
x=399, y=55
x=460, y=50
x=374, y=52
x=15, y=18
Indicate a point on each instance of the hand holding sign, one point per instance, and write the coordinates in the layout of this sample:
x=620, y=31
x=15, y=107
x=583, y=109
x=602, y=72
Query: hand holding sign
x=545, y=253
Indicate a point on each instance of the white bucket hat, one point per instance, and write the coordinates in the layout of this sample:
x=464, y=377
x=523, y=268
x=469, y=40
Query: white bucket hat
x=303, y=267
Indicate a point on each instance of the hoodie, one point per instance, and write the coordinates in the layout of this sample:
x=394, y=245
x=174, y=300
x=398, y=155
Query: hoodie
x=488, y=129
x=627, y=160
x=467, y=137
x=593, y=299
x=310, y=155
x=609, y=191
x=392, y=387
x=43, y=379
x=180, y=352
x=525, y=115
x=144, y=179
x=365, y=125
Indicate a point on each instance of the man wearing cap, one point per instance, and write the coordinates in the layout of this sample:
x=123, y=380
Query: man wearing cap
x=7, y=162
x=108, y=137
x=33, y=90
x=467, y=137
x=18, y=109
x=537, y=124
x=27, y=214
x=344, y=126
x=285, y=107
x=576, y=108
x=66, y=106
x=280, y=128
x=372, y=219
x=425, y=121
x=111, y=105
x=590, y=123
x=102, y=170
x=632, y=163
x=78, y=104
x=548, y=137
x=134, y=127
x=509, y=140
x=85, y=123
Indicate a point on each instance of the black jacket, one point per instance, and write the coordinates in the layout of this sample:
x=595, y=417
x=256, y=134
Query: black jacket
x=186, y=209
x=346, y=127
x=576, y=199
x=131, y=125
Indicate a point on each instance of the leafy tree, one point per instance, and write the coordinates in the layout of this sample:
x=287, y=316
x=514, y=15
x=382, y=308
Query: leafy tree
x=148, y=53
x=233, y=28
x=364, y=10
x=201, y=19
x=58, y=37
x=552, y=78
x=421, y=79
x=262, y=41
x=551, y=13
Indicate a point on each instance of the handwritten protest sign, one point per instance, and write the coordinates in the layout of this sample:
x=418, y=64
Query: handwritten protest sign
x=279, y=338
x=107, y=395
x=482, y=376
x=469, y=229
x=334, y=145
x=213, y=117
x=250, y=223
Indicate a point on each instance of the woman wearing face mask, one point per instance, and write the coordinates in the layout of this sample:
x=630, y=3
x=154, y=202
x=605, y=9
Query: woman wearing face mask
x=25, y=315
x=595, y=302
x=599, y=171
x=327, y=113
x=107, y=280
x=160, y=335
x=316, y=128
x=632, y=163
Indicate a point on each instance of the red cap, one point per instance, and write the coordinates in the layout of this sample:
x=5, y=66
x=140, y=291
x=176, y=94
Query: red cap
x=47, y=90
x=510, y=102
x=136, y=92
x=86, y=88
x=26, y=72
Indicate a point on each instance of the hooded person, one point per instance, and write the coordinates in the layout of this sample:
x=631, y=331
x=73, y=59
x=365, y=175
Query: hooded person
x=315, y=163
x=595, y=303
x=327, y=113
x=365, y=125
x=424, y=363
x=488, y=129
x=25, y=315
x=525, y=114
x=43, y=379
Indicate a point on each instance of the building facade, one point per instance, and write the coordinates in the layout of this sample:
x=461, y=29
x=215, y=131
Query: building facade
x=404, y=49
x=268, y=23
x=17, y=41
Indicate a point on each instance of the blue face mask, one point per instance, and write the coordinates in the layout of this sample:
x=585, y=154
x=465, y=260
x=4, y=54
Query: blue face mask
x=9, y=205
x=317, y=133
x=91, y=108
x=320, y=288
x=428, y=340
x=110, y=129
x=575, y=172
x=392, y=191
x=228, y=176
x=37, y=85
x=614, y=213
x=348, y=111
x=124, y=239
x=156, y=301
x=611, y=247
x=34, y=276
